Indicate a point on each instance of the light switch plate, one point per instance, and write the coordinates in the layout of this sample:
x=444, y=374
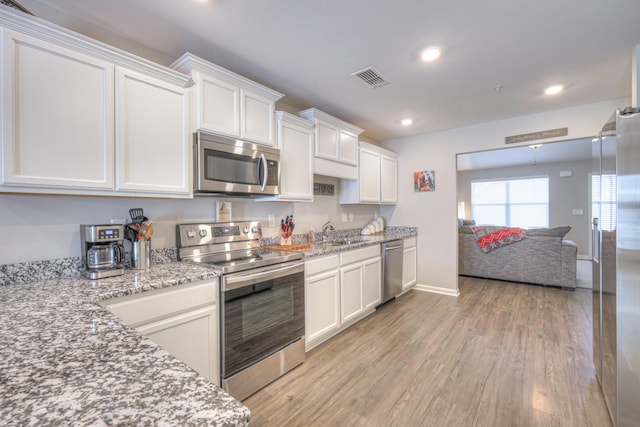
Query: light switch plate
x=577, y=211
x=344, y=217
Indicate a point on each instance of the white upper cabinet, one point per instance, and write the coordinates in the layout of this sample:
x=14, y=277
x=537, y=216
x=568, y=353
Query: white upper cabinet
x=229, y=104
x=336, y=149
x=377, y=181
x=388, y=179
x=152, y=140
x=295, y=141
x=58, y=121
x=80, y=117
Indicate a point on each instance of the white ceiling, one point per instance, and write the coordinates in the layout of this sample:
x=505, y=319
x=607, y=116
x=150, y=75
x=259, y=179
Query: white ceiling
x=309, y=49
x=565, y=151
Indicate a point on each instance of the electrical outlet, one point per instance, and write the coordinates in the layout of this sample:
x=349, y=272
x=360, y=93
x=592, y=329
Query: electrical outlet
x=272, y=220
x=344, y=217
x=118, y=221
x=578, y=212
x=350, y=217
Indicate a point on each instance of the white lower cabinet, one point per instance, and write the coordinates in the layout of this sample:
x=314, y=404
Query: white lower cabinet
x=322, y=299
x=340, y=290
x=182, y=319
x=409, y=263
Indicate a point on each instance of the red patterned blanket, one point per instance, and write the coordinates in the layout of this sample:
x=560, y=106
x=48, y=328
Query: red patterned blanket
x=492, y=237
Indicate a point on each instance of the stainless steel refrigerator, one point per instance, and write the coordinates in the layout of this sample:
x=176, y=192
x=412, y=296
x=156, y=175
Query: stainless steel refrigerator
x=616, y=265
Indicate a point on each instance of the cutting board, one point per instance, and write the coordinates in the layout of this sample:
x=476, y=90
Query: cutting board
x=300, y=247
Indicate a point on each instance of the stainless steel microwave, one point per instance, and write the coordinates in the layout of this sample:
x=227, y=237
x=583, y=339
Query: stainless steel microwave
x=231, y=166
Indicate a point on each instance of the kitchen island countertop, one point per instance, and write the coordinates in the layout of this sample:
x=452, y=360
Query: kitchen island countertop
x=64, y=359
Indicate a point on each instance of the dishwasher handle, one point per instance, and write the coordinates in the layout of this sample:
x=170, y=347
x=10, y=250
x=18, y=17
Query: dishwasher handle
x=393, y=244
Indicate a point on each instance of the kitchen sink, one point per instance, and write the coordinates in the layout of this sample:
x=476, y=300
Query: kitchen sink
x=343, y=242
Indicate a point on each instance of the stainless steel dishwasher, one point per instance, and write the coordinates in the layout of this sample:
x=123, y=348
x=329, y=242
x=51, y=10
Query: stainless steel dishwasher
x=392, y=253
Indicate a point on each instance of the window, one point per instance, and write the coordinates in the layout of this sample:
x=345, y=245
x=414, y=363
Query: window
x=605, y=196
x=513, y=203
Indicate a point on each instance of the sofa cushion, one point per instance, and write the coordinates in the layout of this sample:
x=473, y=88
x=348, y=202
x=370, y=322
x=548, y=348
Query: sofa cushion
x=549, y=232
x=490, y=238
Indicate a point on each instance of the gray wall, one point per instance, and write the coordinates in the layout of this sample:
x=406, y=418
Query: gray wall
x=39, y=227
x=565, y=194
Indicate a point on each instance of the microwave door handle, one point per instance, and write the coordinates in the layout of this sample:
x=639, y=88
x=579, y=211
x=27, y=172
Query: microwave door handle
x=265, y=172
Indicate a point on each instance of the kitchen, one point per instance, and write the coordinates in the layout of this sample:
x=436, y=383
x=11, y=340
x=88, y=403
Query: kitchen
x=56, y=236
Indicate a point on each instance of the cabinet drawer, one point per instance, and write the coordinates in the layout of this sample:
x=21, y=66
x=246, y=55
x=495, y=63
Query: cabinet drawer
x=318, y=265
x=409, y=242
x=147, y=306
x=359, y=254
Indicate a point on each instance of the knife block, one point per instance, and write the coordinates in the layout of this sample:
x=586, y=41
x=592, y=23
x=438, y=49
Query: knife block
x=285, y=241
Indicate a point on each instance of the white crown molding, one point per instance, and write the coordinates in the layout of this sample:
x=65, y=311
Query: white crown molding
x=44, y=30
x=188, y=63
x=291, y=118
x=315, y=114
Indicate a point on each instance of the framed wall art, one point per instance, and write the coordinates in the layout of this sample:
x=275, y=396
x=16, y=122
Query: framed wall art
x=424, y=181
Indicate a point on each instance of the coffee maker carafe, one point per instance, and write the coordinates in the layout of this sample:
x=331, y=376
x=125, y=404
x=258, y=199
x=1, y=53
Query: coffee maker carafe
x=103, y=254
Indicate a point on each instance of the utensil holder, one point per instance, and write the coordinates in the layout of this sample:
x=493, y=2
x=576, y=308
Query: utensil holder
x=141, y=254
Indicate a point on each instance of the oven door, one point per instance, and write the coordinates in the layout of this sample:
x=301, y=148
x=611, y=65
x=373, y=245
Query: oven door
x=262, y=311
x=230, y=166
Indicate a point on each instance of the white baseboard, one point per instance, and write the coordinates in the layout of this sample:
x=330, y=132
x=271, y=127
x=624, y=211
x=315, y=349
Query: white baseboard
x=437, y=290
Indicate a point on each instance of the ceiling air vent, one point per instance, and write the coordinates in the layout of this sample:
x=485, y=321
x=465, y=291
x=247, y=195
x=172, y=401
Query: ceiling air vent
x=371, y=77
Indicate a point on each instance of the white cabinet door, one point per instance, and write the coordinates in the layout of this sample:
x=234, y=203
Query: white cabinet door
x=257, y=116
x=152, y=141
x=388, y=179
x=219, y=107
x=348, y=148
x=57, y=116
x=190, y=337
x=322, y=316
x=369, y=176
x=351, y=292
x=326, y=141
x=409, y=264
x=182, y=319
x=295, y=140
x=372, y=283
x=377, y=181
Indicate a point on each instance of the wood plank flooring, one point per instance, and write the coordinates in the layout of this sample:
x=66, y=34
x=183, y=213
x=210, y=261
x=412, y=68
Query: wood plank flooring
x=501, y=354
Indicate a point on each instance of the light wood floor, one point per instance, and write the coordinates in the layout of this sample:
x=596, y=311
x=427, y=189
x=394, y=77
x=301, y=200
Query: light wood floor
x=500, y=354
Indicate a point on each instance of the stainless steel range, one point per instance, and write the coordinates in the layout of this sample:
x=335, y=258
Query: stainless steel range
x=261, y=302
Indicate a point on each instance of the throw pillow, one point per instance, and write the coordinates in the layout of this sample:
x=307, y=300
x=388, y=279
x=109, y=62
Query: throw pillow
x=549, y=232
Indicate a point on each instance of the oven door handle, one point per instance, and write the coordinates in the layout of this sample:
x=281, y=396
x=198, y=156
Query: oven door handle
x=239, y=280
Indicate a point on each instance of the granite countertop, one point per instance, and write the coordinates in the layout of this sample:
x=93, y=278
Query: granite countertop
x=319, y=249
x=66, y=359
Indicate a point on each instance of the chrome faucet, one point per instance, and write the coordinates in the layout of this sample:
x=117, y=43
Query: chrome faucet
x=325, y=227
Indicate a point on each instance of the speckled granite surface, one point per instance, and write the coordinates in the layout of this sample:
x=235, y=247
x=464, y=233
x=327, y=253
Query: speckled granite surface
x=319, y=249
x=65, y=360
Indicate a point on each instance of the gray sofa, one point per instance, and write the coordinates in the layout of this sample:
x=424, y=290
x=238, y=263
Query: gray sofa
x=542, y=258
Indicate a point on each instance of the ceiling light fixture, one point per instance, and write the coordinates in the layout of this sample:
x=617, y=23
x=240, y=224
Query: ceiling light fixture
x=407, y=122
x=534, y=146
x=430, y=54
x=553, y=90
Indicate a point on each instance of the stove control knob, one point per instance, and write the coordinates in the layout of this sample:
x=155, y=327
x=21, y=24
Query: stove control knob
x=203, y=233
x=245, y=230
x=191, y=234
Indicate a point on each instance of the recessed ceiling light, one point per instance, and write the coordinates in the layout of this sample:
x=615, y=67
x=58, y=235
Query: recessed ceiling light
x=406, y=122
x=553, y=90
x=431, y=54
